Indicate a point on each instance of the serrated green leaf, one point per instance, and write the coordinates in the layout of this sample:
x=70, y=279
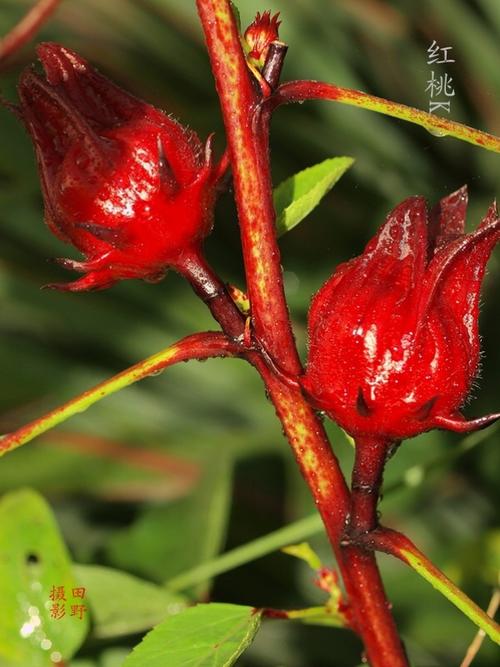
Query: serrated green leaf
x=298, y=195
x=33, y=560
x=122, y=604
x=208, y=635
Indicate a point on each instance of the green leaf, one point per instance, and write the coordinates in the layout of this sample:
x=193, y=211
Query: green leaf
x=123, y=604
x=298, y=195
x=208, y=635
x=34, y=560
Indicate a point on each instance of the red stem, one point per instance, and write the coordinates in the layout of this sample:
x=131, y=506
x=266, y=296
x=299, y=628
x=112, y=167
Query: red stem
x=305, y=433
x=321, y=471
x=398, y=545
x=212, y=291
x=299, y=91
x=370, y=458
x=380, y=634
x=197, y=346
x=371, y=608
x=240, y=96
x=247, y=133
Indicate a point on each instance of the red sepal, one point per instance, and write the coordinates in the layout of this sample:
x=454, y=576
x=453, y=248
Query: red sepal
x=123, y=182
x=393, y=334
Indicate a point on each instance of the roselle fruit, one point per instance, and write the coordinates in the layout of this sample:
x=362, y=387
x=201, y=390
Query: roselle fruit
x=126, y=184
x=393, y=334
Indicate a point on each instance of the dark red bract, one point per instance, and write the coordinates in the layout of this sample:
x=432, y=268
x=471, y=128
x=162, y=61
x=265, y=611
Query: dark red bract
x=393, y=334
x=126, y=184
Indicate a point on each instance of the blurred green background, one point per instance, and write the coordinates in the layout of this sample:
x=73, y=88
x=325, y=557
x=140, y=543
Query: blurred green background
x=221, y=473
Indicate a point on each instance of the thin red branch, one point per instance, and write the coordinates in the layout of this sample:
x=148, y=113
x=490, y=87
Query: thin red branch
x=222, y=168
x=31, y=22
x=275, y=58
x=196, y=346
x=299, y=91
x=400, y=546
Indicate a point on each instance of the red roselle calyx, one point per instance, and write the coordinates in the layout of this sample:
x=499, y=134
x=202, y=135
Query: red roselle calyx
x=393, y=334
x=259, y=35
x=126, y=184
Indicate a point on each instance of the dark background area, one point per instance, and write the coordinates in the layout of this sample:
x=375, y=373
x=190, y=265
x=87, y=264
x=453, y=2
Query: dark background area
x=210, y=421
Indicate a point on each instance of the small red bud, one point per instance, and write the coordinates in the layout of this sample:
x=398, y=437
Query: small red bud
x=126, y=184
x=259, y=35
x=393, y=334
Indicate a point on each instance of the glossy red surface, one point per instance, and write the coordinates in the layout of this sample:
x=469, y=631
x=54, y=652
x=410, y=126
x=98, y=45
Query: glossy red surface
x=125, y=183
x=393, y=334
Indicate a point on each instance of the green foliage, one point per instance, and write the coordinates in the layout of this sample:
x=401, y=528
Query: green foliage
x=121, y=604
x=34, y=563
x=208, y=635
x=298, y=195
x=170, y=539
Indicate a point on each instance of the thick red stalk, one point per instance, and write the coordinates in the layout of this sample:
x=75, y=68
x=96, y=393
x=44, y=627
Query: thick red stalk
x=248, y=144
x=240, y=96
x=371, y=610
x=305, y=433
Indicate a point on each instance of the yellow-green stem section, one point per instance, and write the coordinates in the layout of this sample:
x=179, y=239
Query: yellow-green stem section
x=318, y=616
x=446, y=587
x=436, y=125
x=197, y=346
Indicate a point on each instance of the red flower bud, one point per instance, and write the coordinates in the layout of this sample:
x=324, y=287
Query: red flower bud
x=393, y=334
x=126, y=184
x=259, y=35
